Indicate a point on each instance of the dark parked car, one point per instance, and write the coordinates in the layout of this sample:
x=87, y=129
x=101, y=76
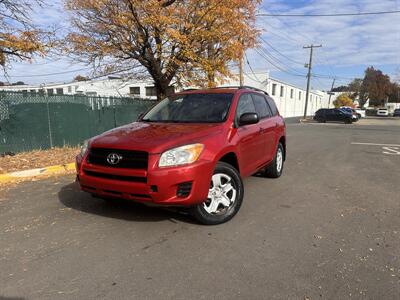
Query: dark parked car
x=396, y=112
x=326, y=115
x=352, y=111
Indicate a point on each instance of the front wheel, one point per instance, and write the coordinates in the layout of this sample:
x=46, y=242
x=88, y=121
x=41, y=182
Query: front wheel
x=224, y=198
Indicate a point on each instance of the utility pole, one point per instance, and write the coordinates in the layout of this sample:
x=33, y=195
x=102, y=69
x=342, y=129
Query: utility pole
x=241, y=77
x=311, y=47
x=330, y=93
x=241, y=63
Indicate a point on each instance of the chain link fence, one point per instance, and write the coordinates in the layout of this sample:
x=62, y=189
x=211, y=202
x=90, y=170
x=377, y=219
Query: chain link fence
x=31, y=121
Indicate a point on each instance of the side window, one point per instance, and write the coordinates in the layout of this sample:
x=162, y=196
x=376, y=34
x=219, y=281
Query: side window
x=262, y=108
x=272, y=106
x=245, y=105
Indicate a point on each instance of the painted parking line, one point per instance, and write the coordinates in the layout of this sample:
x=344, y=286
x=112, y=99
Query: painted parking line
x=387, y=149
x=373, y=144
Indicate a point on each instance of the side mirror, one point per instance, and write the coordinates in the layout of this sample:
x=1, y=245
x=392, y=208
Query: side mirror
x=140, y=116
x=248, y=118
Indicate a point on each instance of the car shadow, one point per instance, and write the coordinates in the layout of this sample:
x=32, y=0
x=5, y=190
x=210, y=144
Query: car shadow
x=72, y=197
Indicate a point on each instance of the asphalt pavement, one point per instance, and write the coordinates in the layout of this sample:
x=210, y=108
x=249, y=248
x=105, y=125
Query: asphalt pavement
x=329, y=228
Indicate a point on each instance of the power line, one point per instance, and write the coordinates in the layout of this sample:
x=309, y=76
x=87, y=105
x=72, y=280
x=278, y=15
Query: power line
x=49, y=74
x=251, y=69
x=280, y=53
x=332, y=73
x=279, y=62
x=331, y=15
x=275, y=65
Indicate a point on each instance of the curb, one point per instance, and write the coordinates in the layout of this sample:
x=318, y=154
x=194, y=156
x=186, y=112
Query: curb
x=52, y=170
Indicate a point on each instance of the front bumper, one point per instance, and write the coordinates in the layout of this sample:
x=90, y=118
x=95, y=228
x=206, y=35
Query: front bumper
x=161, y=186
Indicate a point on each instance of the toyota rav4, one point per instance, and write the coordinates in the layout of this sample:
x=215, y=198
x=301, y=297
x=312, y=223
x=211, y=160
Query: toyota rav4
x=190, y=150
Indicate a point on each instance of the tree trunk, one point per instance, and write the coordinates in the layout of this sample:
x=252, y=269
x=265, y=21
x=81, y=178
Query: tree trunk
x=161, y=85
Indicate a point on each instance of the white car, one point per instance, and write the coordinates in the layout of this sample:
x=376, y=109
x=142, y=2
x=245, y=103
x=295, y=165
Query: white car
x=360, y=113
x=382, y=112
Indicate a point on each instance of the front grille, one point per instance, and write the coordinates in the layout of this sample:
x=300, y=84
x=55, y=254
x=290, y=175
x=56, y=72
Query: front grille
x=115, y=177
x=184, y=189
x=129, y=159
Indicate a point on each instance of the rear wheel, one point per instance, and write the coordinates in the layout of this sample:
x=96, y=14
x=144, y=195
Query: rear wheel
x=274, y=170
x=224, y=199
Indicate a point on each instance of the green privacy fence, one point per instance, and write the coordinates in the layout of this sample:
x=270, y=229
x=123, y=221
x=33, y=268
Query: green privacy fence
x=36, y=121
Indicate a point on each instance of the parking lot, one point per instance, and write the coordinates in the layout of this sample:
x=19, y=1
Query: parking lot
x=328, y=228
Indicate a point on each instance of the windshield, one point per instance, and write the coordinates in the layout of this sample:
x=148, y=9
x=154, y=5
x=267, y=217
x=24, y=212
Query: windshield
x=191, y=108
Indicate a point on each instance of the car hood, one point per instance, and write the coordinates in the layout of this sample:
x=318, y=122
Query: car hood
x=154, y=137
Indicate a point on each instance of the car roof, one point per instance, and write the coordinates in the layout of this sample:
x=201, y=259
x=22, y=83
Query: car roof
x=222, y=90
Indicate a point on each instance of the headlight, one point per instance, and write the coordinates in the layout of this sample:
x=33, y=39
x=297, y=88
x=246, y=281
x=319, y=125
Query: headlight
x=84, y=147
x=181, y=155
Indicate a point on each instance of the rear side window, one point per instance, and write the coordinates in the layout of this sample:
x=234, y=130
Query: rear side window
x=261, y=105
x=245, y=105
x=272, y=106
x=325, y=112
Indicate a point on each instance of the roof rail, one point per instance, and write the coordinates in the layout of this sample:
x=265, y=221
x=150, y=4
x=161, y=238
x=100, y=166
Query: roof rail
x=243, y=87
x=239, y=87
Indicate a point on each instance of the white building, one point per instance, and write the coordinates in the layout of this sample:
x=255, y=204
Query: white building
x=289, y=98
x=108, y=87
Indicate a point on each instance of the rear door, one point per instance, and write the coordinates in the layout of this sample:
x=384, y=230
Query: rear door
x=251, y=142
x=330, y=115
x=267, y=127
x=338, y=115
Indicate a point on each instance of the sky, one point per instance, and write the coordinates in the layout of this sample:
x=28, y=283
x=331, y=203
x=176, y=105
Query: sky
x=349, y=44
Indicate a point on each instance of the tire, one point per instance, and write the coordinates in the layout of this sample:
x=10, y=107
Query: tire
x=221, y=206
x=275, y=169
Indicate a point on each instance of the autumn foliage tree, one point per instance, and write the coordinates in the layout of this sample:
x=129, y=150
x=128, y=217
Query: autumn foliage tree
x=343, y=100
x=174, y=41
x=19, y=38
x=376, y=87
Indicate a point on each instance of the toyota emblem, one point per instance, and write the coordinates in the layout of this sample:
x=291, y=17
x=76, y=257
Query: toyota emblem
x=114, y=158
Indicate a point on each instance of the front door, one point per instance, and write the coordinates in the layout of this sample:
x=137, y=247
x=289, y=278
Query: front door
x=250, y=138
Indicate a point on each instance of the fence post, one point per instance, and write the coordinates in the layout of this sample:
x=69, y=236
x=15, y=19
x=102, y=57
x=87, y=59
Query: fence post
x=48, y=121
x=114, y=110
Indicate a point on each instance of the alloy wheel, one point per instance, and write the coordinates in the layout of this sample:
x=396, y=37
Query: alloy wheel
x=221, y=195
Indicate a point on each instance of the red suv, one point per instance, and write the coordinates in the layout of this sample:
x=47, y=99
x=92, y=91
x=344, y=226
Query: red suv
x=190, y=150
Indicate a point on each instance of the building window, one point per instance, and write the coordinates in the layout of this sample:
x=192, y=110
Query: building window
x=60, y=91
x=69, y=89
x=151, y=91
x=50, y=92
x=273, y=89
x=299, y=95
x=291, y=93
x=134, y=90
x=282, y=89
